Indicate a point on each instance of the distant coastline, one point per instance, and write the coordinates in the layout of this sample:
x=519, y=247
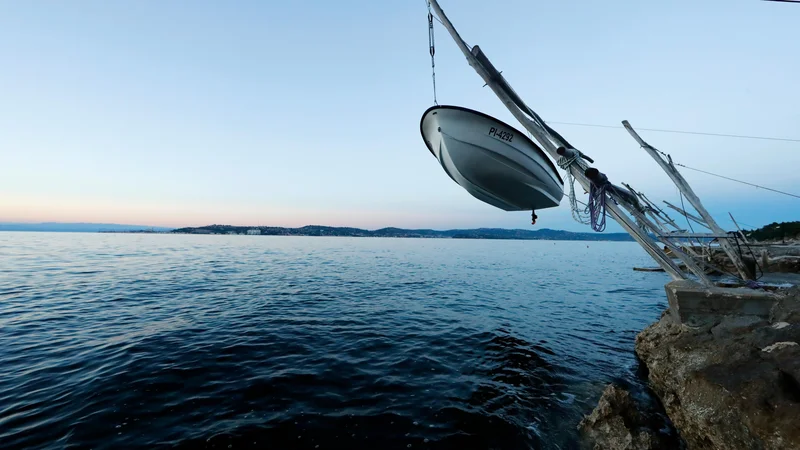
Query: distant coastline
x=475, y=233
x=79, y=227
x=319, y=230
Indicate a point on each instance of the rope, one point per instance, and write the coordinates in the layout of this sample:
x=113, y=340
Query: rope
x=579, y=215
x=432, y=48
x=594, y=213
x=565, y=162
x=597, y=207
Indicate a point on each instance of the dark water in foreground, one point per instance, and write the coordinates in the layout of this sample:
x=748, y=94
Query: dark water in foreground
x=143, y=341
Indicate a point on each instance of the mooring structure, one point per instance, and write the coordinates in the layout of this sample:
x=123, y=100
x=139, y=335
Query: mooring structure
x=649, y=225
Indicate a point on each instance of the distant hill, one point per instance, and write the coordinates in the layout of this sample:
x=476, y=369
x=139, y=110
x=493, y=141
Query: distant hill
x=78, y=227
x=478, y=233
x=784, y=231
x=318, y=230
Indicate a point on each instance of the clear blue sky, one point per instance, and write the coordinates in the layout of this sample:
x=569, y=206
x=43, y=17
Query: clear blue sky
x=292, y=113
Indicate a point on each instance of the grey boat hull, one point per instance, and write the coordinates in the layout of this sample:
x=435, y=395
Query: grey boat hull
x=491, y=160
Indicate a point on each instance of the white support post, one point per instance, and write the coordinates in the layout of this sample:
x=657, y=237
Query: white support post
x=651, y=211
x=662, y=236
x=657, y=211
x=696, y=235
x=689, y=216
x=687, y=191
x=662, y=220
x=741, y=233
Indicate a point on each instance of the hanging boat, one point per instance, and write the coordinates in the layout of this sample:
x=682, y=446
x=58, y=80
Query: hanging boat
x=491, y=160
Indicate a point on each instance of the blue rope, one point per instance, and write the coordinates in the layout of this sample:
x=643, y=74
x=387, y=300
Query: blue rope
x=597, y=207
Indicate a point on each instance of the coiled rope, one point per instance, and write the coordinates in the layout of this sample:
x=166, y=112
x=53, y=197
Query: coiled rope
x=594, y=213
x=597, y=207
x=580, y=215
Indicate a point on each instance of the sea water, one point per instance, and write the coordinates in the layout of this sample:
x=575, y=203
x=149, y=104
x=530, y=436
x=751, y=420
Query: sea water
x=140, y=341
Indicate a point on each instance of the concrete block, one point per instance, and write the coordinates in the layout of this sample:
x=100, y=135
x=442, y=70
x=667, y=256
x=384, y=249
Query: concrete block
x=695, y=305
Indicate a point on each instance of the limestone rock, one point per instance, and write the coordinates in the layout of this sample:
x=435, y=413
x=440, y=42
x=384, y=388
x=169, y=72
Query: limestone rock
x=784, y=264
x=719, y=388
x=617, y=423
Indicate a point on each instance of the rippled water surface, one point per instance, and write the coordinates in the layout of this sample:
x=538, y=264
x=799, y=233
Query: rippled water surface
x=142, y=341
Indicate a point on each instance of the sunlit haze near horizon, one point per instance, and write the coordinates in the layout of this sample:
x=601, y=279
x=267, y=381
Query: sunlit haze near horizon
x=295, y=113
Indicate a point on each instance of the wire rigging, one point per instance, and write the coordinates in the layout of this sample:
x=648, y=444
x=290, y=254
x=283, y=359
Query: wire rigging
x=432, y=47
x=684, y=210
x=669, y=159
x=738, y=181
x=428, y=3
x=661, y=130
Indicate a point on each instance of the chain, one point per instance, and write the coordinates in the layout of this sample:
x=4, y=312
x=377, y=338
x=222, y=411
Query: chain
x=433, y=51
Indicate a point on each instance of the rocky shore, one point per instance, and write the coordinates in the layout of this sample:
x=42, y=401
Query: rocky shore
x=725, y=364
x=775, y=258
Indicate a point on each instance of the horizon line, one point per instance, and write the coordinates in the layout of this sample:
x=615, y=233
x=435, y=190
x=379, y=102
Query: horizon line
x=145, y=227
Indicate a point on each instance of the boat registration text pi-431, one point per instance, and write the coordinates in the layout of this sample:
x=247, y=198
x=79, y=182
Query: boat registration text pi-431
x=500, y=134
